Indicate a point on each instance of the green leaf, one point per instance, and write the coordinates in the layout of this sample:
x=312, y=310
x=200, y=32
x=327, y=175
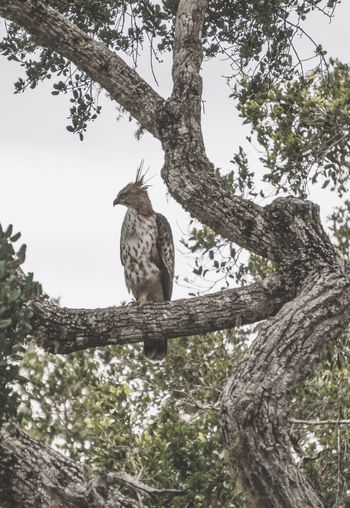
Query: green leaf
x=2, y=268
x=15, y=237
x=5, y=323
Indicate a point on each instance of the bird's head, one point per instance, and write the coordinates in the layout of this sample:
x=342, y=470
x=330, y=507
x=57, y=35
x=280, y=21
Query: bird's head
x=134, y=195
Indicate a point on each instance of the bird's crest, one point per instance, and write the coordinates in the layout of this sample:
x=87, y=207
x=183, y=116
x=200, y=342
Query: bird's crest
x=140, y=177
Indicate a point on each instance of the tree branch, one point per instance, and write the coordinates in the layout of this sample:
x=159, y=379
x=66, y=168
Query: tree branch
x=126, y=479
x=187, y=172
x=188, y=54
x=55, y=31
x=319, y=422
x=190, y=175
x=62, y=330
x=35, y=476
x=164, y=120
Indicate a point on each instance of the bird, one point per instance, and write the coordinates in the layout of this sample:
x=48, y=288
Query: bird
x=146, y=252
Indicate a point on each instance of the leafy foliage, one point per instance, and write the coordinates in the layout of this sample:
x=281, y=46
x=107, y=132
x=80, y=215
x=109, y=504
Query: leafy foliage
x=14, y=318
x=340, y=227
x=303, y=127
x=119, y=24
x=258, y=35
x=324, y=449
x=116, y=411
x=219, y=263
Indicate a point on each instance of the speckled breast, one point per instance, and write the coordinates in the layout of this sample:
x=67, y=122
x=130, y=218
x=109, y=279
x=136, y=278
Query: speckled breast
x=137, y=249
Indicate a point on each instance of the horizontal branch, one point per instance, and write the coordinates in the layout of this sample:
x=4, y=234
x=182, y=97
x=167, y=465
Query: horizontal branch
x=55, y=31
x=63, y=330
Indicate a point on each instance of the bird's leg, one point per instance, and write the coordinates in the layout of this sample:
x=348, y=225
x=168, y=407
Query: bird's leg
x=132, y=304
x=142, y=299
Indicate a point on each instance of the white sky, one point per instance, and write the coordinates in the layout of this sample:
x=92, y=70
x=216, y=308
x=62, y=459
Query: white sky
x=59, y=191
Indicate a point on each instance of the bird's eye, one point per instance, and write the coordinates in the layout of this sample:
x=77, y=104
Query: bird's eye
x=122, y=195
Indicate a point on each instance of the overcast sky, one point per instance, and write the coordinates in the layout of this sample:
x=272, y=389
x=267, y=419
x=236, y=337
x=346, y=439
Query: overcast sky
x=59, y=191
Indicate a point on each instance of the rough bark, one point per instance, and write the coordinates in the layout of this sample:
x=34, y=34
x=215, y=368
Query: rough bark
x=255, y=399
x=187, y=171
x=63, y=330
x=35, y=476
x=308, y=301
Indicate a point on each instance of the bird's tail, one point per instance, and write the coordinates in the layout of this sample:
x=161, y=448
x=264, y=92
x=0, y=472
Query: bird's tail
x=155, y=350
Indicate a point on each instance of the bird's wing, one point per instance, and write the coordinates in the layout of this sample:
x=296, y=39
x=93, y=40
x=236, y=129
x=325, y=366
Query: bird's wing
x=122, y=239
x=166, y=252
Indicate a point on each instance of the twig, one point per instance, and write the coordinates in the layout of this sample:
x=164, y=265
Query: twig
x=136, y=484
x=319, y=422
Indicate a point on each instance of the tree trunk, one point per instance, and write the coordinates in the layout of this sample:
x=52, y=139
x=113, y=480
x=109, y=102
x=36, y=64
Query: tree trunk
x=255, y=399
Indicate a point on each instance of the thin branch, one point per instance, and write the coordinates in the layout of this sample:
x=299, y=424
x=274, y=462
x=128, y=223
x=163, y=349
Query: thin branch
x=319, y=422
x=137, y=485
x=305, y=458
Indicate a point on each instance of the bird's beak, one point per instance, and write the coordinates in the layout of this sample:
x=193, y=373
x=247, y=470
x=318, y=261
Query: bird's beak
x=115, y=202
